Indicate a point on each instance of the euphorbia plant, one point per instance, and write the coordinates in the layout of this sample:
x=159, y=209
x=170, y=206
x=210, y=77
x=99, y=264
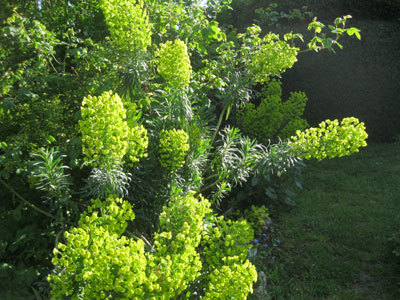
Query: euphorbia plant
x=160, y=145
x=174, y=263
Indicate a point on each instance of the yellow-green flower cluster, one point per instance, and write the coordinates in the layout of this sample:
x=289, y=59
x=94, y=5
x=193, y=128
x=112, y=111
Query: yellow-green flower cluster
x=225, y=247
x=138, y=142
x=174, y=63
x=293, y=110
x=128, y=23
x=228, y=238
x=233, y=280
x=256, y=217
x=176, y=261
x=261, y=122
x=173, y=148
x=98, y=262
x=272, y=59
x=331, y=139
x=273, y=117
x=106, y=136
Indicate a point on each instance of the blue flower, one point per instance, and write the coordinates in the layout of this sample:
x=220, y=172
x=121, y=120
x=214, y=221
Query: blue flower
x=255, y=241
x=264, y=235
x=266, y=245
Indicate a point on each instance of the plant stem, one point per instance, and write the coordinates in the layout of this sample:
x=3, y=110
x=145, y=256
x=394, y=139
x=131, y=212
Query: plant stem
x=305, y=50
x=218, y=124
x=215, y=134
x=211, y=177
x=26, y=202
x=208, y=187
x=140, y=236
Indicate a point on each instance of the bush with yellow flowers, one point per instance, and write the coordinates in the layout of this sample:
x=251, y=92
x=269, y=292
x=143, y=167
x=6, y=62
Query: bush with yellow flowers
x=272, y=58
x=98, y=261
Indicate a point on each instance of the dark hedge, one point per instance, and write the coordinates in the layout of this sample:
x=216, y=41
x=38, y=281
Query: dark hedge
x=363, y=80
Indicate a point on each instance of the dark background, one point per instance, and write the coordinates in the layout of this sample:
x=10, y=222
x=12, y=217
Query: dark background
x=362, y=80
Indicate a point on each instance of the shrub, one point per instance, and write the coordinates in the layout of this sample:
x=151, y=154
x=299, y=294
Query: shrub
x=176, y=247
x=272, y=58
x=257, y=217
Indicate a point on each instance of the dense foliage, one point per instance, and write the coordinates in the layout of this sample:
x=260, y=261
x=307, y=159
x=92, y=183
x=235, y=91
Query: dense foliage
x=273, y=117
x=128, y=24
x=144, y=114
x=97, y=261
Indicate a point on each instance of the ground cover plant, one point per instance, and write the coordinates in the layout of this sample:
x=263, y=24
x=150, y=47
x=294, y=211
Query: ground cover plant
x=337, y=243
x=118, y=123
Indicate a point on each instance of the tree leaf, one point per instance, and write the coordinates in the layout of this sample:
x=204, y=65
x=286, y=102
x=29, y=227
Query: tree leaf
x=17, y=214
x=270, y=192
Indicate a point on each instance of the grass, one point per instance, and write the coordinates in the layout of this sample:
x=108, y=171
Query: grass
x=334, y=242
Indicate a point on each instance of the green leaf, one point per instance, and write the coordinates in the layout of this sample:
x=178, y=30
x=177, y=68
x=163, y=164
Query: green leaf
x=339, y=45
x=299, y=36
x=37, y=295
x=17, y=214
x=328, y=43
x=289, y=201
x=299, y=185
x=11, y=30
x=338, y=21
x=354, y=31
x=270, y=192
x=228, y=112
x=8, y=104
x=50, y=139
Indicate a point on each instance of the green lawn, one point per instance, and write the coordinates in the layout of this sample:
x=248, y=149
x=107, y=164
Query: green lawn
x=334, y=242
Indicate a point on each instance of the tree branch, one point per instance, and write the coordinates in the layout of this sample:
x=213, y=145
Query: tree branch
x=26, y=202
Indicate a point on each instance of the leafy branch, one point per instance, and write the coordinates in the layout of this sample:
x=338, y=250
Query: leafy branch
x=322, y=41
x=26, y=202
